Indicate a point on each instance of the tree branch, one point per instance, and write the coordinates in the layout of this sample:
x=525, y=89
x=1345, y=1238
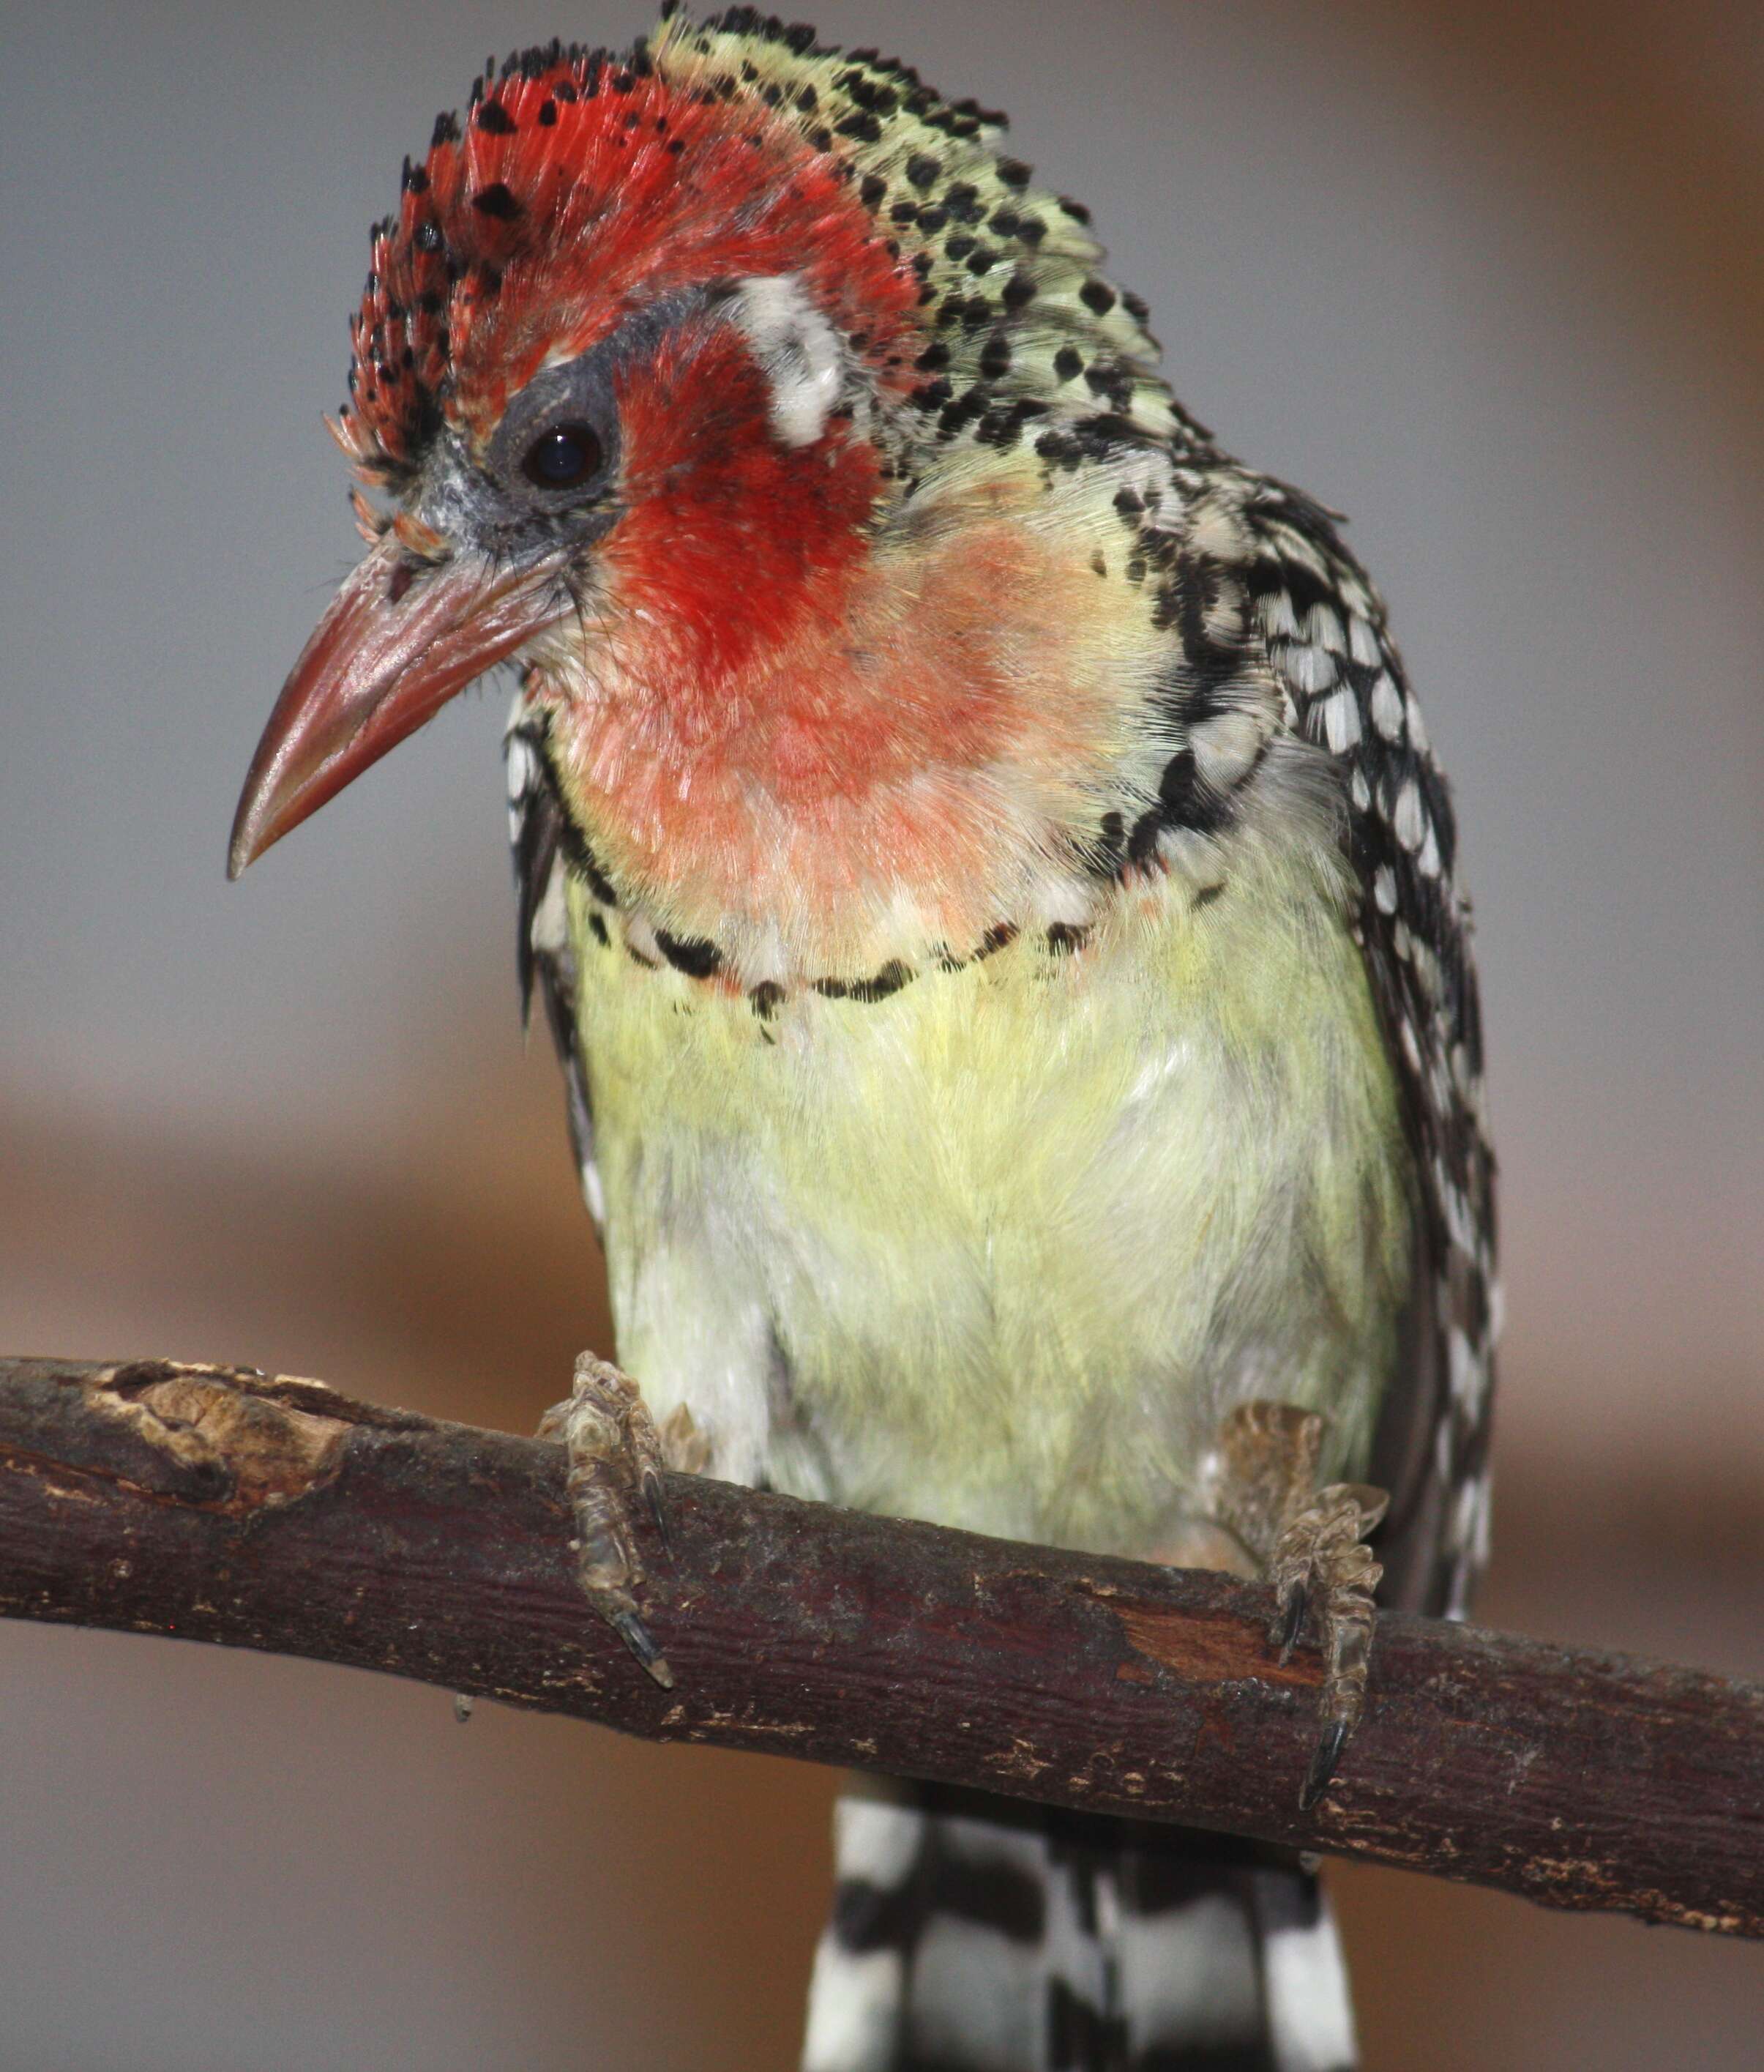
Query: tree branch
x=217, y=1505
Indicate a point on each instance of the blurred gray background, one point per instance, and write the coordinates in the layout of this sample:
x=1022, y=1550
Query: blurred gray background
x=1489, y=280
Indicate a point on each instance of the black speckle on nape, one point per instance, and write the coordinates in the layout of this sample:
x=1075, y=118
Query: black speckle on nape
x=496, y=202
x=494, y=120
x=1065, y=938
x=767, y=998
x=922, y=171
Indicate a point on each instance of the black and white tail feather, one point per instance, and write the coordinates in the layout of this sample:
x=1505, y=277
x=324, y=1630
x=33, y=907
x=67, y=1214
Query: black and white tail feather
x=972, y=1935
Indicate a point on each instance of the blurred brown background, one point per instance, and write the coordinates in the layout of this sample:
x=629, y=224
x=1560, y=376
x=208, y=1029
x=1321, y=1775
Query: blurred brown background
x=1489, y=280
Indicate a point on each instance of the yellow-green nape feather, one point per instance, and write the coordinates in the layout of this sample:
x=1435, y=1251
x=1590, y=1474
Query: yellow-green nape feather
x=1011, y=267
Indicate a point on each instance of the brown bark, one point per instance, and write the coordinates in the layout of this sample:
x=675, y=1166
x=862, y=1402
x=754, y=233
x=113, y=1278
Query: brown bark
x=218, y=1505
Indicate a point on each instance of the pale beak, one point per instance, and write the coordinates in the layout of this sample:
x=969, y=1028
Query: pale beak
x=400, y=638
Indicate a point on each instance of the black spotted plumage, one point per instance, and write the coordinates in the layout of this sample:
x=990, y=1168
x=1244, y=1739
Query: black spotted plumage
x=1414, y=926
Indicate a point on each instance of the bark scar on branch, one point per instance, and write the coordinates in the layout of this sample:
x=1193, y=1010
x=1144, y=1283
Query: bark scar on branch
x=219, y=1445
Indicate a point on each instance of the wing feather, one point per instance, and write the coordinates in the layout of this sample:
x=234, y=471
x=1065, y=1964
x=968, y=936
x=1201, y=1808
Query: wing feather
x=538, y=833
x=1347, y=691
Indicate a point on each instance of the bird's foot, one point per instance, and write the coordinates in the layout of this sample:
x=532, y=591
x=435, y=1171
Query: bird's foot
x=1323, y=1568
x=618, y=1454
x=1310, y=1543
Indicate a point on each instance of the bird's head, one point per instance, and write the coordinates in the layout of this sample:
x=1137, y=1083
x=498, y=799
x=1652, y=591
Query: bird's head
x=655, y=351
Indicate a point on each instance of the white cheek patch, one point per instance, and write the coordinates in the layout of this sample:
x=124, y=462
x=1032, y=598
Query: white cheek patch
x=798, y=350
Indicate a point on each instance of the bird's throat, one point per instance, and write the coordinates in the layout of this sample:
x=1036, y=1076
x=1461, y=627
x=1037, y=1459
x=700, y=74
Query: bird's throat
x=912, y=756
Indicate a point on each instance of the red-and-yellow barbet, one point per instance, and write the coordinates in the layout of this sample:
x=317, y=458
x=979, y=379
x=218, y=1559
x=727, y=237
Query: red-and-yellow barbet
x=984, y=870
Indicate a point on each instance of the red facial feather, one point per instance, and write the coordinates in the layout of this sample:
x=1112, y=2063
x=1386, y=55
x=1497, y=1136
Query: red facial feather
x=729, y=537
x=863, y=744
x=570, y=198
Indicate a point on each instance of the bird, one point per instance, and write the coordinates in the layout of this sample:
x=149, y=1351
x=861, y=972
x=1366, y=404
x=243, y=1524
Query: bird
x=981, y=860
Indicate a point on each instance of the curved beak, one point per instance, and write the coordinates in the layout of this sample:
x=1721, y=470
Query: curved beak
x=399, y=641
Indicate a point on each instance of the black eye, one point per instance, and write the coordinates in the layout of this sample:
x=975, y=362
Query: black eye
x=563, y=458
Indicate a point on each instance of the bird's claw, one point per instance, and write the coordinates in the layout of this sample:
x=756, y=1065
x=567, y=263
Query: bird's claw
x=1289, y=1621
x=630, y=1627
x=1324, y=1757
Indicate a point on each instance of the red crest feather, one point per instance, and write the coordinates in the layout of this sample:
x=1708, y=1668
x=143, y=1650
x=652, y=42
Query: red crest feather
x=577, y=186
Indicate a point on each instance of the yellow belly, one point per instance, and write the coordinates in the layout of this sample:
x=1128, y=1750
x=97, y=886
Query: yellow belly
x=1000, y=1249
